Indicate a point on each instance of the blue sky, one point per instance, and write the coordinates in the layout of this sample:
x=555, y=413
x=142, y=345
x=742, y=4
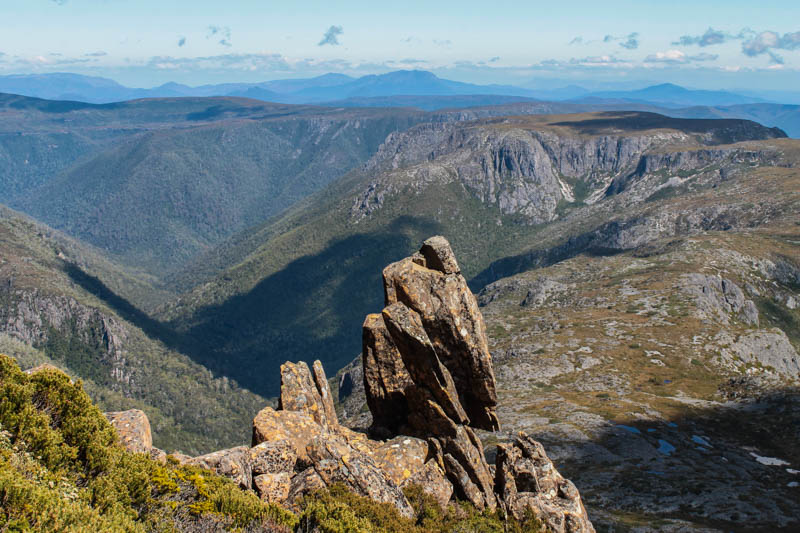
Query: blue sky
x=708, y=44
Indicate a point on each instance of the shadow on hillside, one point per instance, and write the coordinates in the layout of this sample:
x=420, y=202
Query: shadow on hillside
x=312, y=309
x=591, y=242
x=701, y=466
x=120, y=305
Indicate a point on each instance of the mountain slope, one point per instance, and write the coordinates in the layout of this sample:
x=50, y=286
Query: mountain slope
x=154, y=182
x=302, y=283
x=56, y=310
x=671, y=95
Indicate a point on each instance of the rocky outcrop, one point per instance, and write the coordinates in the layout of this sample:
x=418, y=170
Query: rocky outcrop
x=300, y=447
x=233, y=463
x=528, y=167
x=526, y=479
x=133, y=429
x=445, y=387
x=429, y=383
x=719, y=299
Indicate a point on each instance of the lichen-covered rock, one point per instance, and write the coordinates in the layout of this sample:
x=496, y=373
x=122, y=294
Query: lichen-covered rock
x=158, y=455
x=385, y=377
x=133, y=429
x=407, y=461
x=272, y=457
x=273, y=487
x=296, y=428
x=335, y=461
x=452, y=321
x=525, y=478
x=233, y=463
x=308, y=393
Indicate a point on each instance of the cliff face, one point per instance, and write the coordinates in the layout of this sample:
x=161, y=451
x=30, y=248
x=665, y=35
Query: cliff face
x=531, y=168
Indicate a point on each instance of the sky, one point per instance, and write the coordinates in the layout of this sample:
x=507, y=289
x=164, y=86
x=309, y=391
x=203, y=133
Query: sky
x=711, y=44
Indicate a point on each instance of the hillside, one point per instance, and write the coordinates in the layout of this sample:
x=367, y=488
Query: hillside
x=155, y=182
x=56, y=310
x=494, y=187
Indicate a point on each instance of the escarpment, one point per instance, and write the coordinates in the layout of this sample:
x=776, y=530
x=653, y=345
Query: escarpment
x=430, y=385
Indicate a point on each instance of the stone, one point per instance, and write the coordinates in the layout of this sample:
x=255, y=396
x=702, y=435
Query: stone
x=273, y=487
x=133, y=430
x=385, y=378
x=158, y=455
x=303, y=483
x=525, y=478
x=308, y=393
x=179, y=458
x=233, y=463
x=336, y=461
x=439, y=256
x=296, y=428
x=406, y=461
x=420, y=359
x=273, y=457
x=452, y=320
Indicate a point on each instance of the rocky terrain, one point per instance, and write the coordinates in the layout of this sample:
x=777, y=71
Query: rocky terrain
x=55, y=310
x=510, y=194
x=430, y=383
x=639, y=280
x=660, y=370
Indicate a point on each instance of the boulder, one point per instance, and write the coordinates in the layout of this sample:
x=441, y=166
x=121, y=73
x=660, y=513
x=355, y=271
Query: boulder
x=525, y=478
x=233, y=463
x=335, y=461
x=273, y=457
x=452, y=320
x=385, y=378
x=407, y=461
x=296, y=428
x=133, y=430
x=308, y=393
x=274, y=487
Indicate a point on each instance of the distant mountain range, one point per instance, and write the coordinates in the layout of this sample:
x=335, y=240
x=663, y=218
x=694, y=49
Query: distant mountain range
x=337, y=87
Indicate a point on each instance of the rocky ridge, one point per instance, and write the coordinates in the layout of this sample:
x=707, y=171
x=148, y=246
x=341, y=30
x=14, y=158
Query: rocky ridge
x=430, y=383
x=532, y=165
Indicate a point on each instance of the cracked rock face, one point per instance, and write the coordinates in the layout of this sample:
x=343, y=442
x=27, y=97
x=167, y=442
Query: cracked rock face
x=428, y=373
x=526, y=478
x=429, y=384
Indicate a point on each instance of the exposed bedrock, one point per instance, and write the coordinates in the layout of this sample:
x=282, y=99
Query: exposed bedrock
x=429, y=384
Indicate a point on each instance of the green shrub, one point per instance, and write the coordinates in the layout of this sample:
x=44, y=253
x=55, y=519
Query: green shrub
x=61, y=469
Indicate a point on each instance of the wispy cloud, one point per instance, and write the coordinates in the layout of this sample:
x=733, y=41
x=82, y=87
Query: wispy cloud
x=576, y=40
x=59, y=2
x=223, y=33
x=710, y=38
x=96, y=54
x=767, y=42
x=331, y=36
x=442, y=42
x=181, y=41
x=629, y=42
x=677, y=57
x=494, y=59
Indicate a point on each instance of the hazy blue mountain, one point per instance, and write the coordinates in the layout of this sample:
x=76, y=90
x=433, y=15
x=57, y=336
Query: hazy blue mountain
x=294, y=85
x=430, y=103
x=671, y=95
